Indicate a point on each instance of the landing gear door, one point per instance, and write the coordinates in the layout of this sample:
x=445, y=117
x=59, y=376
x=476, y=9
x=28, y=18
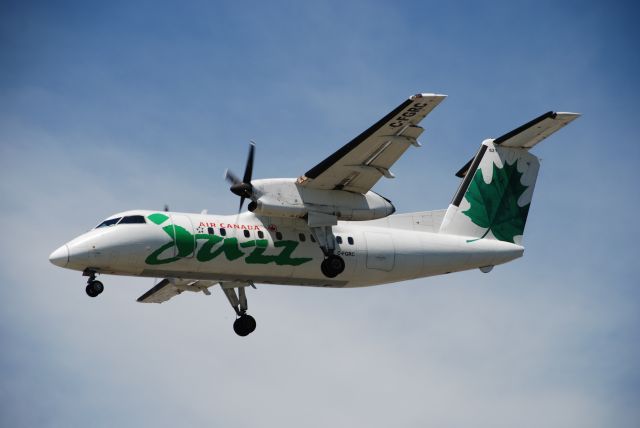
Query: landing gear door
x=184, y=239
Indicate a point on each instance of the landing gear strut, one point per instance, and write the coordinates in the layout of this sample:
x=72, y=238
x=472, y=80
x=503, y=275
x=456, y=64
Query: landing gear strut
x=332, y=265
x=245, y=324
x=94, y=287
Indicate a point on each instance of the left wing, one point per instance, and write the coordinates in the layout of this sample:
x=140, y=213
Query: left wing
x=358, y=165
x=170, y=287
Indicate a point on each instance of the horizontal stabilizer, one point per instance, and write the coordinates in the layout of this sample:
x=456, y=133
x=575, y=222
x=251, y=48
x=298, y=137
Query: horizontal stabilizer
x=529, y=134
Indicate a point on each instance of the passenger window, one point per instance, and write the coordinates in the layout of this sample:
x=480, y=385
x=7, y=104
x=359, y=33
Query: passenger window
x=350, y=240
x=211, y=231
x=339, y=239
x=107, y=223
x=132, y=219
x=246, y=234
x=260, y=234
x=302, y=237
x=223, y=232
x=278, y=236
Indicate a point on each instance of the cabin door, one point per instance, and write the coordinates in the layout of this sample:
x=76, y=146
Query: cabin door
x=380, y=251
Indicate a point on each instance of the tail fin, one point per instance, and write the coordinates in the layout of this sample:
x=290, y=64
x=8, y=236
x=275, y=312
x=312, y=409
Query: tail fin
x=494, y=197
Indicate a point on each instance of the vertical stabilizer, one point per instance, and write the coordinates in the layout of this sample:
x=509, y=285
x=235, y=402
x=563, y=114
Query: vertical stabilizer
x=495, y=195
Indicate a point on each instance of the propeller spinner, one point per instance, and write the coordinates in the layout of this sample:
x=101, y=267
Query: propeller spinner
x=243, y=188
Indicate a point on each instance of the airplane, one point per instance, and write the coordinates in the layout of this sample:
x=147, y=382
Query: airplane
x=327, y=228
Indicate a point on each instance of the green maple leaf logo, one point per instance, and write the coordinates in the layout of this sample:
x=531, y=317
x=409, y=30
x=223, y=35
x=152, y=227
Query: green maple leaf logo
x=494, y=206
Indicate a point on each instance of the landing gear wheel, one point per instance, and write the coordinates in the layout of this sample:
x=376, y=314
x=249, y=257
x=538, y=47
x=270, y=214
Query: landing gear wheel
x=332, y=266
x=94, y=288
x=244, y=325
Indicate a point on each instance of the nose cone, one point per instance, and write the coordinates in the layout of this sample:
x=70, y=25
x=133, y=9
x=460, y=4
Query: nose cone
x=60, y=257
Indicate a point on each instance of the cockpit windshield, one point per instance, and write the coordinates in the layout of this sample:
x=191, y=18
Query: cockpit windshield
x=130, y=219
x=109, y=222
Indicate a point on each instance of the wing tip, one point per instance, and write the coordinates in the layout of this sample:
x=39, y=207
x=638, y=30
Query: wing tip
x=427, y=95
x=568, y=115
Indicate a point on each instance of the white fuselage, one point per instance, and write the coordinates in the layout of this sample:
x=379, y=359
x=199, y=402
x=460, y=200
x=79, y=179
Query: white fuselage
x=277, y=250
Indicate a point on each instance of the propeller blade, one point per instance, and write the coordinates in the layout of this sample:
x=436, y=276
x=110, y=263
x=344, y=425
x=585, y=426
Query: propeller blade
x=231, y=177
x=243, y=188
x=248, y=171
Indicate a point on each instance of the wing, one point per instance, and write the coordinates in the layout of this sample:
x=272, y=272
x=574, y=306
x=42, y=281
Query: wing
x=168, y=288
x=530, y=134
x=359, y=164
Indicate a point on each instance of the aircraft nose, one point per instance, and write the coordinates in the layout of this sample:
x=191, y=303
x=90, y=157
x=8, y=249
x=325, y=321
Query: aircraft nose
x=60, y=257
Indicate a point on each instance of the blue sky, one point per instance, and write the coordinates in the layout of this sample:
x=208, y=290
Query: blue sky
x=122, y=105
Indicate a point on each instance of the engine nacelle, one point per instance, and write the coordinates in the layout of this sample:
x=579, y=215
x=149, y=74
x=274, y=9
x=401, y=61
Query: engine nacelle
x=286, y=198
x=276, y=210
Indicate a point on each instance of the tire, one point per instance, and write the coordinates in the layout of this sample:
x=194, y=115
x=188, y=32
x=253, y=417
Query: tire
x=91, y=292
x=250, y=323
x=332, y=266
x=244, y=325
x=97, y=286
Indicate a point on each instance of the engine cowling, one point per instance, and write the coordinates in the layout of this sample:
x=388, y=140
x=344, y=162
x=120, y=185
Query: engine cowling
x=286, y=198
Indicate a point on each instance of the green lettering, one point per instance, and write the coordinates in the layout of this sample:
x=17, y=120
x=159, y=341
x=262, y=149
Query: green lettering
x=284, y=258
x=257, y=256
x=205, y=254
x=183, y=244
x=229, y=247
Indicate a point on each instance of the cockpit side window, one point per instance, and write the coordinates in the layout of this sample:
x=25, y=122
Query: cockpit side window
x=132, y=219
x=109, y=222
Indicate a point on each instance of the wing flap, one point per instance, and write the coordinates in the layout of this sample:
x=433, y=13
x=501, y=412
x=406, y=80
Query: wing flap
x=171, y=287
x=159, y=293
x=359, y=164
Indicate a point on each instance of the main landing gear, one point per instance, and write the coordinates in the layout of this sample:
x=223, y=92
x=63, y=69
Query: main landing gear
x=94, y=287
x=245, y=324
x=332, y=265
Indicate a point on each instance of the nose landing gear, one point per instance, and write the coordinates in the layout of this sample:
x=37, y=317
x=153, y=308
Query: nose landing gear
x=94, y=287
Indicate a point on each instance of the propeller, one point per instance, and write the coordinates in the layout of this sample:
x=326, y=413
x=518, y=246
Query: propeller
x=243, y=188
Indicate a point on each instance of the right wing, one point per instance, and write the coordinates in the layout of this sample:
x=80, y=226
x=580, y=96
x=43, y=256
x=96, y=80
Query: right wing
x=360, y=163
x=168, y=288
